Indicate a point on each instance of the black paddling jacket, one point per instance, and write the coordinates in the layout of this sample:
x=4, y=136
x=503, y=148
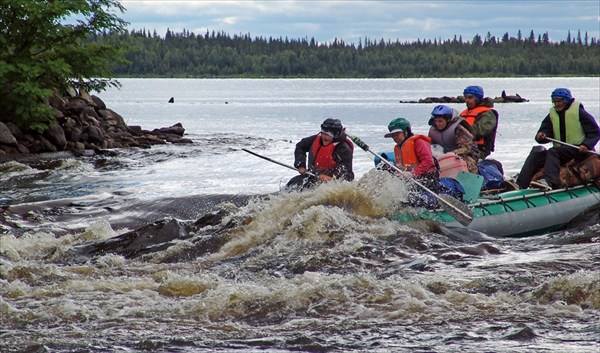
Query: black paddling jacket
x=342, y=156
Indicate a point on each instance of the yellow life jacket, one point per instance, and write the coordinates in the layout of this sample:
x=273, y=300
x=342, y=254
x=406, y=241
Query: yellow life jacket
x=574, y=133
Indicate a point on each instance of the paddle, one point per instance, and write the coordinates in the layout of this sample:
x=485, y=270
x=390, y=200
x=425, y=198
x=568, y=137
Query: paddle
x=568, y=144
x=458, y=210
x=276, y=162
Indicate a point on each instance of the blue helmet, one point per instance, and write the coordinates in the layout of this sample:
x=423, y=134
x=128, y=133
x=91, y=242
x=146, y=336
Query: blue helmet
x=442, y=110
x=477, y=91
x=563, y=93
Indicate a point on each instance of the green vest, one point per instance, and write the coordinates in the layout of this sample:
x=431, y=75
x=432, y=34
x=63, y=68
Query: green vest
x=574, y=134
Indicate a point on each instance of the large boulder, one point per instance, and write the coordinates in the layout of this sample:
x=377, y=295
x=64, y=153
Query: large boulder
x=56, y=101
x=176, y=129
x=100, y=105
x=6, y=137
x=94, y=134
x=505, y=98
x=75, y=105
x=111, y=117
x=56, y=135
x=86, y=97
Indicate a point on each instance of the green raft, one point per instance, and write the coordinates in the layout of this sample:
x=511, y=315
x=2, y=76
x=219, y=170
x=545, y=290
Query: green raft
x=520, y=213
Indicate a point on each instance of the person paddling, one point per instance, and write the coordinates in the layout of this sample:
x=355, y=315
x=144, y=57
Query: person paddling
x=330, y=154
x=568, y=122
x=413, y=155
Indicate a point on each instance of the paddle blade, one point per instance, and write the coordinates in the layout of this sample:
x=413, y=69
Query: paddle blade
x=471, y=183
x=455, y=208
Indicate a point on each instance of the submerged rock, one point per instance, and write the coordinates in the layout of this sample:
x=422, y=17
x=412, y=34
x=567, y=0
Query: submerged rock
x=205, y=235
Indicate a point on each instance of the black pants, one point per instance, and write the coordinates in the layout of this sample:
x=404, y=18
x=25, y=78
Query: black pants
x=551, y=160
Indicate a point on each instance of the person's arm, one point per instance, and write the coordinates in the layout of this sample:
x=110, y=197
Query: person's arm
x=342, y=155
x=590, y=128
x=464, y=140
x=465, y=124
x=545, y=130
x=484, y=125
x=425, y=157
x=302, y=148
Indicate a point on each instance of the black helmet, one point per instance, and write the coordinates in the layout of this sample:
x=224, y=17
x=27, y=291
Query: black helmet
x=333, y=125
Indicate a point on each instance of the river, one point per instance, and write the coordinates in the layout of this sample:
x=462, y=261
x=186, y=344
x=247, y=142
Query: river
x=253, y=269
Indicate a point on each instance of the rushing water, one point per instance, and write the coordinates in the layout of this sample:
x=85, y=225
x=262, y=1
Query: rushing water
x=187, y=248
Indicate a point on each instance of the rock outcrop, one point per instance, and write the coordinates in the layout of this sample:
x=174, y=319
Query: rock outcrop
x=510, y=99
x=504, y=98
x=84, y=123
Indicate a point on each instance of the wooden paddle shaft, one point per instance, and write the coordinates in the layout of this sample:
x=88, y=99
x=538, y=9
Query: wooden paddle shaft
x=568, y=144
x=276, y=162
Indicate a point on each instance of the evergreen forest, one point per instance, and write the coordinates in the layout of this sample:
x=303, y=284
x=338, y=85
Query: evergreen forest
x=218, y=54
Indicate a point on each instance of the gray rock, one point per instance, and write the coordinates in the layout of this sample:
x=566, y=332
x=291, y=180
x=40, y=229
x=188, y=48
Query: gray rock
x=94, y=134
x=56, y=135
x=6, y=137
x=75, y=105
x=15, y=131
x=86, y=96
x=84, y=123
x=100, y=105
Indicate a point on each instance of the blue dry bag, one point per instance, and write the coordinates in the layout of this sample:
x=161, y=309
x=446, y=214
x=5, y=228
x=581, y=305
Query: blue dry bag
x=492, y=176
x=450, y=186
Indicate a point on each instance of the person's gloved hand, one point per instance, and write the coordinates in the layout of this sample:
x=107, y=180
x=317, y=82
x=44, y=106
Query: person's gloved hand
x=324, y=178
x=403, y=174
x=385, y=167
x=541, y=137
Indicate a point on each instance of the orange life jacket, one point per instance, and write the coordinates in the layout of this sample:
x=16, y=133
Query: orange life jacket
x=407, y=156
x=471, y=115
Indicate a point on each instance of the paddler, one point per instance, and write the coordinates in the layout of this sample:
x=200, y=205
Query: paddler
x=329, y=153
x=482, y=118
x=568, y=122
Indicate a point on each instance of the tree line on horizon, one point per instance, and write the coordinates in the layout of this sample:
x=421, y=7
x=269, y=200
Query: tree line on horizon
x=43, y=59
x=218, y=54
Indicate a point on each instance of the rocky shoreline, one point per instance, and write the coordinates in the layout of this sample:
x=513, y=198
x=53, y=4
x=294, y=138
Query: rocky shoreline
x=85, y=126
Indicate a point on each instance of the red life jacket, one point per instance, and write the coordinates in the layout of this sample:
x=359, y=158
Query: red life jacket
x=322, y=156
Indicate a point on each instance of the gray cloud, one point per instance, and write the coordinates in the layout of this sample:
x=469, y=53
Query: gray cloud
x=351, y=20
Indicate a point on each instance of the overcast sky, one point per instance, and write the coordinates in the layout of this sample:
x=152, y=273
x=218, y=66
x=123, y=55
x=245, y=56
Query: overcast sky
x=325, y=20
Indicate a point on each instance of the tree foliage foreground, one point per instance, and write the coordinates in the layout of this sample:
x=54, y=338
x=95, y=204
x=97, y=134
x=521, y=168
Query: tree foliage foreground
x=45, y=48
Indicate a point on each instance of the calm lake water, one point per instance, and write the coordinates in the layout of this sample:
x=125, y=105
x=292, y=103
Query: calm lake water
x=321, y=271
